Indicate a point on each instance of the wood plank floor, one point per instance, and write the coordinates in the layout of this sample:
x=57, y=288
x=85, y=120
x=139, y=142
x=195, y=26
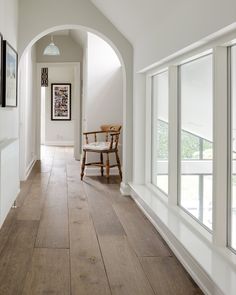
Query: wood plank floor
x=83, y=238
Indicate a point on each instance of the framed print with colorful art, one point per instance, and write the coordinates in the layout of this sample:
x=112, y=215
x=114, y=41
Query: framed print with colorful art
x=9, y=75
x=61, y=102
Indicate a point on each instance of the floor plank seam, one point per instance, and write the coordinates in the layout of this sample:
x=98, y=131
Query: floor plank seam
x=69, y=230
x=44, y=201
x=138, y=257
x=145, y=274
x=33, y=249
x=10, y=229
x=103, y=262
x=28, y=271
x=52, y=248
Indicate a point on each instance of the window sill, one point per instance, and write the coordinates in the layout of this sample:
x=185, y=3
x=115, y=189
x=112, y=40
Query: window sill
x=186, y=217
x=212, y=267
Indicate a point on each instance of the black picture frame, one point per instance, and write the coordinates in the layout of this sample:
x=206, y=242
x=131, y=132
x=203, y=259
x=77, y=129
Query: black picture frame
x=61, y=101
x=1, y=69
x=9, y=76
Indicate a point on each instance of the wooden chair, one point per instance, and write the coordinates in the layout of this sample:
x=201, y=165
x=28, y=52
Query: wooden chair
x=110, y=145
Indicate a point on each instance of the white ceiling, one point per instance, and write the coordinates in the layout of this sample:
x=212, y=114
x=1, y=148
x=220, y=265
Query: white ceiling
x=79, y=36
x=133, y=18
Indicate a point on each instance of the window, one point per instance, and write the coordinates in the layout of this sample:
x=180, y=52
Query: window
x=160, y=131
x=232, y=207
x=196, y=147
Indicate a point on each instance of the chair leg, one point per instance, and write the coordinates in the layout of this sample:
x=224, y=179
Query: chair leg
x=83, y=165
x=107, y=167
x=118, y=163
x=101, y=158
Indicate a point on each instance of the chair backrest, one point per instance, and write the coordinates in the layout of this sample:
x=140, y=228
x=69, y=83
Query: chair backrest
x=110, y=127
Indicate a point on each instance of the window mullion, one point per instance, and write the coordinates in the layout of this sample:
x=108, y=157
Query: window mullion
x=148, y=147
x=220, y=152
x=173, y=135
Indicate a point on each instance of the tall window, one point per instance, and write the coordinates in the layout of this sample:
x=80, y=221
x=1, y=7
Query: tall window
x=196, y=147
x=160, y=131
x=232, y=209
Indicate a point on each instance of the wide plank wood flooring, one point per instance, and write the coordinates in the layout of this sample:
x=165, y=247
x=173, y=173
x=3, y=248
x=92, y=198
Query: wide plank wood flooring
x=83, y=238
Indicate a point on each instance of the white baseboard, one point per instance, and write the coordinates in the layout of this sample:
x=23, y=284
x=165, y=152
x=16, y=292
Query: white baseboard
x=125, y=189
x=59, y=143
x=29, y=168
x=198, y=274
x=96, y=171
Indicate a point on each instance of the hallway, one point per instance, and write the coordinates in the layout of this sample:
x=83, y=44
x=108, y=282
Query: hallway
x=73, y=237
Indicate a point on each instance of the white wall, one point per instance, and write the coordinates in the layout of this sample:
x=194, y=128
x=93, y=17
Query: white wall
x=104, y=85
x=27, y=106
x=60, y=132
x=31, y=109
x=39, y=18
x=103, y=97
x=8, y=28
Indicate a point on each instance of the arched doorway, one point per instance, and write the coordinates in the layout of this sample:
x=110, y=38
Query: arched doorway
x=127, y=94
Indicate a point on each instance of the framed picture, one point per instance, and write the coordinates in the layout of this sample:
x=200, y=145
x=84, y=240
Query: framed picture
x=1, y=40
x=61, y=102
x=9, y=75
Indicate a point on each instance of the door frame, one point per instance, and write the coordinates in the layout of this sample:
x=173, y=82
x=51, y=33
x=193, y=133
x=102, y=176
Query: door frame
x=76, y=92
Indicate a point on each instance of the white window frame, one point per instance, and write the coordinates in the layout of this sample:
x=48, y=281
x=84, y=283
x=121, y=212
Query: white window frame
x=148, y=157
x=230, y=124
x=219, y=49
x=179, y=115
x=151, y=109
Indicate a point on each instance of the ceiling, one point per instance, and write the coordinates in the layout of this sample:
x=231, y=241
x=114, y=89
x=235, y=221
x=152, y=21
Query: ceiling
x=133, y=18
x=79, y=36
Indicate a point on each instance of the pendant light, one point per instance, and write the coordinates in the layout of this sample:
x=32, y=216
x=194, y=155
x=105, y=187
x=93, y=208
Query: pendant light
x=51, y=49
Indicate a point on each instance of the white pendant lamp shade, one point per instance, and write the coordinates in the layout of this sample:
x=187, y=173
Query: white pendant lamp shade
x=51, y=49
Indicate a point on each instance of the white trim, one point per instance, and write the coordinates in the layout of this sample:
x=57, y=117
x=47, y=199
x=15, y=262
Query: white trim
x=125, y=189
x=148, y=147
x=204, y=261
x=173, y=135
x=218, y=47
x=59, y=143
x=30, y=167
x=77, y=106
x=220, y=149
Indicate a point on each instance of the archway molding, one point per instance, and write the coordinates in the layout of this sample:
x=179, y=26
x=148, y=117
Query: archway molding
x=34, y=24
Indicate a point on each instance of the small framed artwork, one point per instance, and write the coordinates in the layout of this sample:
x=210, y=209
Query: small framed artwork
x=9, y=75
x=1, y=40
x=61, y=102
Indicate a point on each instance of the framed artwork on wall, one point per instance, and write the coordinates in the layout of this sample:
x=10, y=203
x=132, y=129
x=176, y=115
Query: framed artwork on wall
x=9, y=75
x=1, y=40
x=61, y=102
